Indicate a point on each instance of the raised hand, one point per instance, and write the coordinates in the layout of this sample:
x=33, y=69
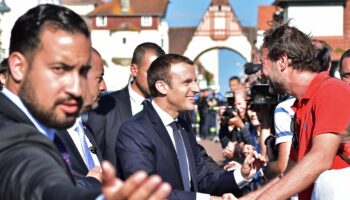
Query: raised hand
x=139, y=186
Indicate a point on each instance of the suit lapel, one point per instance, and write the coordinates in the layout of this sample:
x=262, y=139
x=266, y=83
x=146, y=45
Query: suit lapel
x=11, y=110
x=69, y=143
x=92, y=140
x=124, y=105
x=163, y=134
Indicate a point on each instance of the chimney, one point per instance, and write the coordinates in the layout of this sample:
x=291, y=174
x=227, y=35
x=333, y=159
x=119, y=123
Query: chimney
x=125, y=5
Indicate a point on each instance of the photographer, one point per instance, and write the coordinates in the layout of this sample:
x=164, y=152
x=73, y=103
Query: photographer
x=235, y=128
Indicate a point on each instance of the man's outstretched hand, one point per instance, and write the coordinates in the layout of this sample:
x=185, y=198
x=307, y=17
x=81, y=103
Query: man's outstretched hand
x=139, y=186
x=252, y=164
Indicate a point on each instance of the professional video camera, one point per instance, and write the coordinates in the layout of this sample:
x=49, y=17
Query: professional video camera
x=261, y=92
x=230, y=108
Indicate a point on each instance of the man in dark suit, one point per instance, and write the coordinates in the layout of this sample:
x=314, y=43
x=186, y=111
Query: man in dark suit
x=84, y=153
x=160, y=142
x=118, y=106
x=49, y=59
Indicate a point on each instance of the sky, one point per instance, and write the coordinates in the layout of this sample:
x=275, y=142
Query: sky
x=182, y=13
x=190, y=12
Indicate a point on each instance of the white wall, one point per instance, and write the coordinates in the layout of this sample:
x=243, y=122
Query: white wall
x=81, y=9
x=200, y=44
x=318, y=20
x=8, y=19
x=210, y=61
x=110, y=45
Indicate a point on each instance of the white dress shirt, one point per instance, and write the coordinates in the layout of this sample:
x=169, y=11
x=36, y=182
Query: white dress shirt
x=135, y=101
x=48, y=132
x=167, y=119
x=76, y=139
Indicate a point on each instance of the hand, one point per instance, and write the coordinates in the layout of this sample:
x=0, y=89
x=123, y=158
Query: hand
x=96, y=173
x=252, y=165
x=248, y=196
x=236, y=121
x=247, y=150
x=231, y=149
x=137, y=187
x=232, y=165
x=228, y=196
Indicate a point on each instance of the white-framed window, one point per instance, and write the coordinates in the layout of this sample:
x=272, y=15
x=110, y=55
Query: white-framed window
x=101, y=21
x=146, y=21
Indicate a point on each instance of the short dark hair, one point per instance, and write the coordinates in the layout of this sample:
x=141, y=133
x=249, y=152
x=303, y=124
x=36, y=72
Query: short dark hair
x=25, y=34
x=159, y=70
x=234, y=78
x=142, y=49
x=284, y=39
x=322, y=53
x=4, y=66
x=346, y=54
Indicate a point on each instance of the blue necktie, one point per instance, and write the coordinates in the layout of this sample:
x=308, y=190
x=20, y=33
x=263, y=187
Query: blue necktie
x=181, y=155
x=88, y=157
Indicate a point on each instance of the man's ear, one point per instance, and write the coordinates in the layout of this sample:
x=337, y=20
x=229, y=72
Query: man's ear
x=134, y=70
x=18, y=66
x=162, y=87
x=283, y=62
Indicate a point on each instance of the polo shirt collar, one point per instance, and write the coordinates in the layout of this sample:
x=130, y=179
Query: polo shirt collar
x=315, y=83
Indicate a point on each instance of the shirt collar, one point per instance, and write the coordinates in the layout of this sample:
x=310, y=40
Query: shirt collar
x=164, y=116
x=48, y=132
x=134, y=96
x=75, y=125
x=314, y=85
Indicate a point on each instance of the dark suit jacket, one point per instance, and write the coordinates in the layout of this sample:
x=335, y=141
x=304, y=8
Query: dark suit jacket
x=113, y=110
x=143, y=143
x=79, y=169
x=31, y=166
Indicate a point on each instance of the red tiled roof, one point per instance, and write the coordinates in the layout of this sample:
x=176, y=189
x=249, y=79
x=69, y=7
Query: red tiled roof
x=68, y=2
x=284, y=2
x=137, y=8
x=179, y=38
x=265, y=15
x=220, y=2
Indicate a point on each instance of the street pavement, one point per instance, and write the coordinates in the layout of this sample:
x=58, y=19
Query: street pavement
x=213, y=149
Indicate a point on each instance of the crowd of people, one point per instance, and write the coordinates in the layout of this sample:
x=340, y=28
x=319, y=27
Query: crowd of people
x=139, y=143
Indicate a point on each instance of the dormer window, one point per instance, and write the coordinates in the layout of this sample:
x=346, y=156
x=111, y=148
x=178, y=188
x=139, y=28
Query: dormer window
x=146, y=21
x=101, y=21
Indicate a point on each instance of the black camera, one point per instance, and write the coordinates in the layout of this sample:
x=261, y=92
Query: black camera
x=230, y=108
x=262, y=93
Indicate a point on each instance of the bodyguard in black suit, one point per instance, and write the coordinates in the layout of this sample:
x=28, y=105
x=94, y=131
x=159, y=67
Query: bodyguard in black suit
x=85, y=163
x=49, y=57
x=148, y=140
x=79, y=168
x=116, y=107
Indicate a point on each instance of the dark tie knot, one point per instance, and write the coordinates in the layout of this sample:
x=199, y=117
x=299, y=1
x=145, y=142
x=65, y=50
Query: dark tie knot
x=174, y=125
x=145, y=102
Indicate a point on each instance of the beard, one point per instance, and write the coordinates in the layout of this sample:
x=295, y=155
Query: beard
x=278, y=87
x=144, y=91
x=46, y=115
